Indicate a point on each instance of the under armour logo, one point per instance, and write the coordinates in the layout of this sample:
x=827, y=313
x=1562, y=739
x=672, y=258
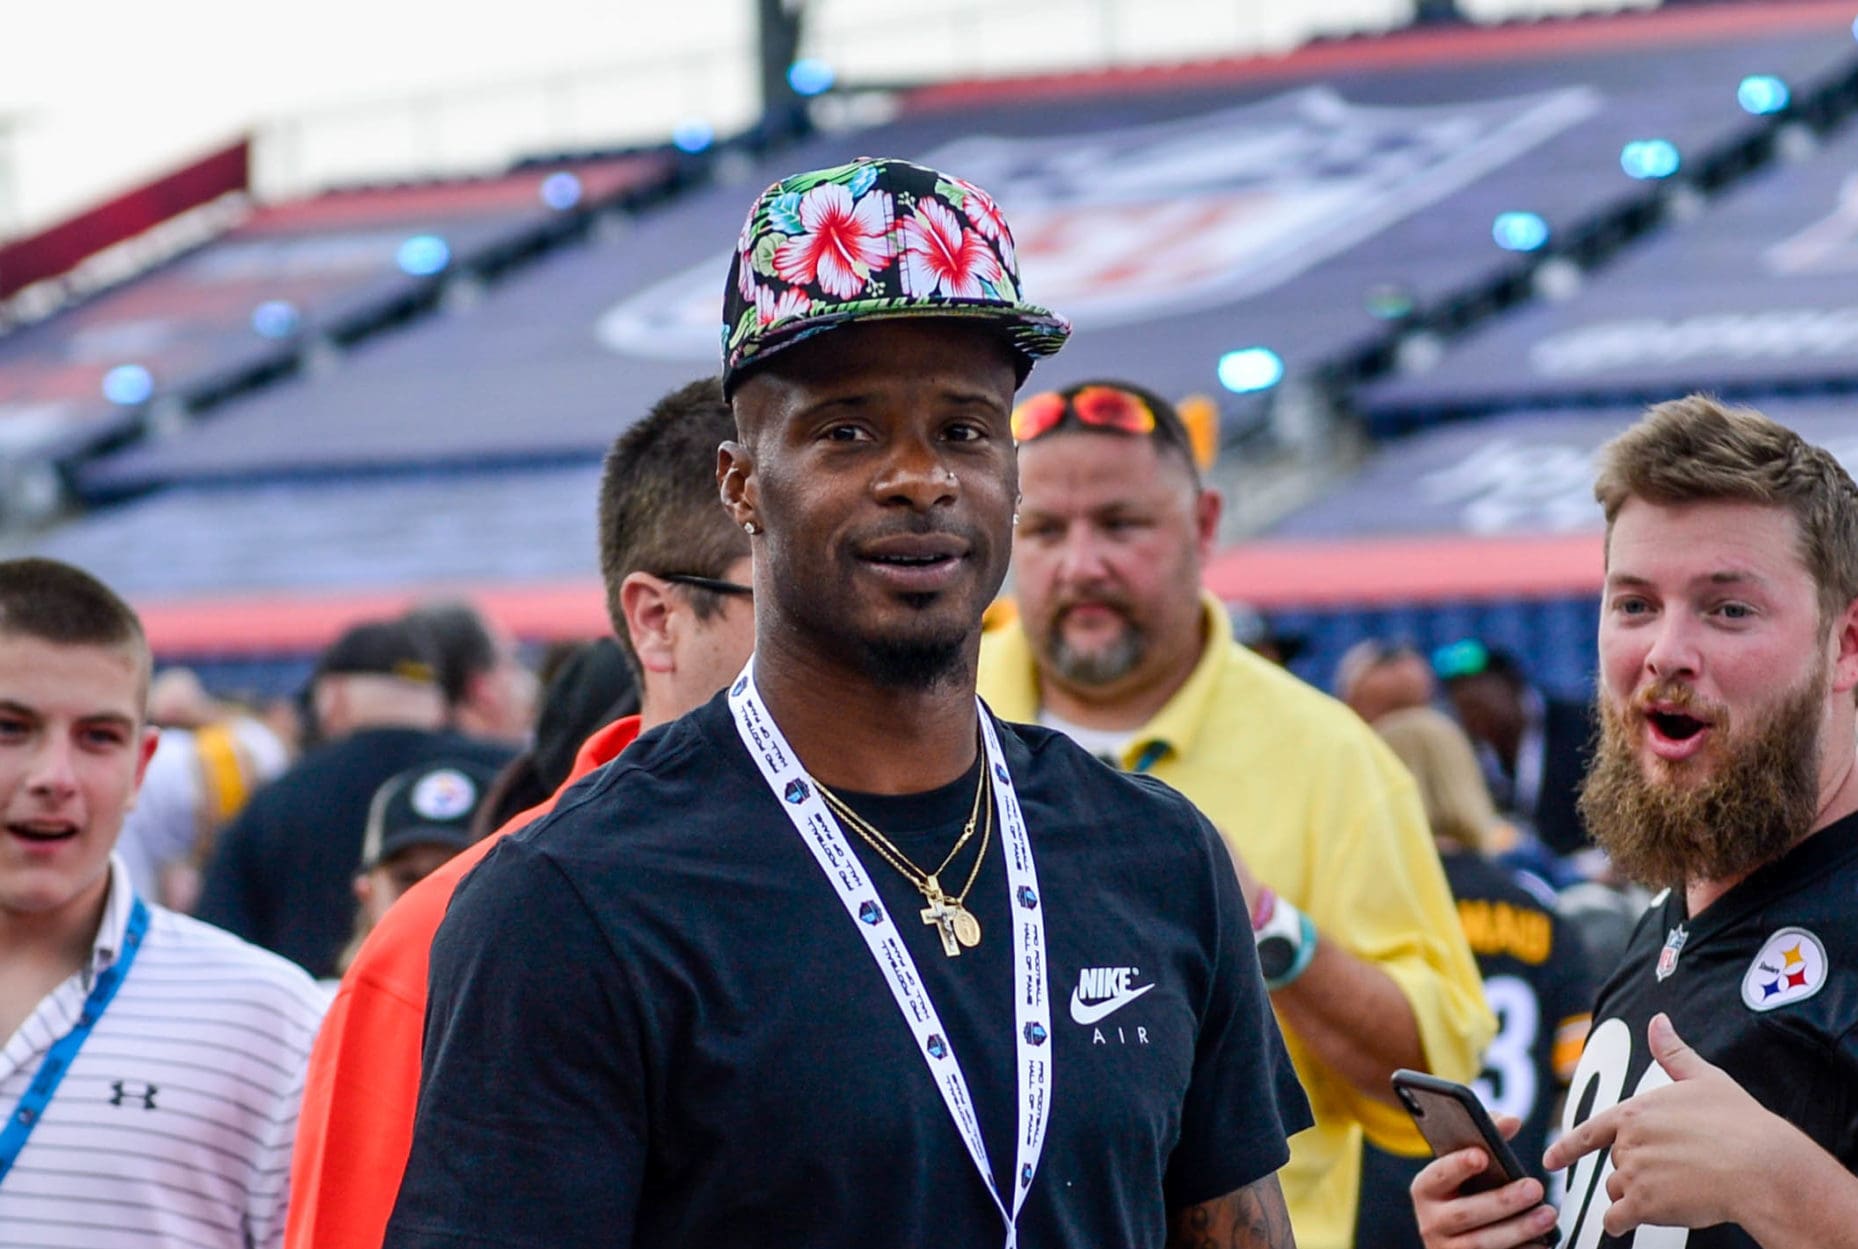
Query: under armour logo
x=121, y=1089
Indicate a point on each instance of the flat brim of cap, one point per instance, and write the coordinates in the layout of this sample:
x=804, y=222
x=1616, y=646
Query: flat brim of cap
x=1032, y=331
x=452, y=838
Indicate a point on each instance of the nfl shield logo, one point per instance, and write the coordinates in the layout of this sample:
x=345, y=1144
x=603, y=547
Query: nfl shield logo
x=1667, y=957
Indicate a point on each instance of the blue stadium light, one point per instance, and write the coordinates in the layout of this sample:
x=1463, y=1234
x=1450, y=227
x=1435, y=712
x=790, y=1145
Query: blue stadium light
x=1649, y=158
x=127, y=385
x=1519, y=232
x=810, y=76
x=693, y=136
x=1250, y=370
x=561, y=191
x=1762, y=94
x=1388, y=301
x=423, y=255
x=276, y=318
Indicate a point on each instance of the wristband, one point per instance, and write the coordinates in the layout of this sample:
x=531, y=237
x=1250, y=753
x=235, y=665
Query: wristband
x=1286, y=939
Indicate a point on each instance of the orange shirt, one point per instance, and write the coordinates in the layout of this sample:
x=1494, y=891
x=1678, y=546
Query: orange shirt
x=356, y=1126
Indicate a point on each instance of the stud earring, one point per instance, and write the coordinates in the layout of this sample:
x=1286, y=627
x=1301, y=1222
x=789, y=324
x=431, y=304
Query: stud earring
x=1015, y=520
x=750, y=528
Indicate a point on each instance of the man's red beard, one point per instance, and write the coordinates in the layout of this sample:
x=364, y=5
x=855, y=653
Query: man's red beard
x=1761, y=798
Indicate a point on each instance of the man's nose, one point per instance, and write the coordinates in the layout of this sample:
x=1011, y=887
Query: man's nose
x=916, y=474
x=53, y=771
x=1673, y=652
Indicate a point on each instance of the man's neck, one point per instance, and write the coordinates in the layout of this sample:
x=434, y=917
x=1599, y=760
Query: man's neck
x=1838, y=800
x=42, y=950
x=853, y=733
x=1132, y=702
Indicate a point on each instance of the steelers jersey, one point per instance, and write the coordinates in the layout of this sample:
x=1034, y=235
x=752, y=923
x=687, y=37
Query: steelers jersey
x=1764, y=984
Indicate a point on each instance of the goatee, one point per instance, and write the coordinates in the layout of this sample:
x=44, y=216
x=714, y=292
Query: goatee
x=913, y=663
x=1094, y=668
x=1761, y=798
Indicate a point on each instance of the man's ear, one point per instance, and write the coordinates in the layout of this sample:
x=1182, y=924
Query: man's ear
x=1845, y=649
x=1207, y=510
x=646, y=603
x=145, y=750
x=735, y=481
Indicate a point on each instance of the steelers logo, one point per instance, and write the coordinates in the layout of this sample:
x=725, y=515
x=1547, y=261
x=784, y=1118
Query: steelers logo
x=1790, y=968
x=443, y=795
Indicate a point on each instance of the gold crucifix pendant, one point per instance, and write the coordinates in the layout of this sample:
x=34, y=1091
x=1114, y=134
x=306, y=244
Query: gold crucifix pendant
x=944, y=917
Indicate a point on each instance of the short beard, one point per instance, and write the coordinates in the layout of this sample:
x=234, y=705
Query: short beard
x=1760, y=801
x=916, y=663
x=1096, y=668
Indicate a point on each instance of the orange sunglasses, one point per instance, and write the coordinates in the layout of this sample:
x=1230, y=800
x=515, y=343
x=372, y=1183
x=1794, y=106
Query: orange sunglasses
x=1106, y=407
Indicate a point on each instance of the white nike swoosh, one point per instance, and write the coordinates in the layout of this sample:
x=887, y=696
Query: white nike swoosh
x=1088, y=1013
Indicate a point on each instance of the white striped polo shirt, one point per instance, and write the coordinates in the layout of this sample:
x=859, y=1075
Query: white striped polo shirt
x=173, y=1127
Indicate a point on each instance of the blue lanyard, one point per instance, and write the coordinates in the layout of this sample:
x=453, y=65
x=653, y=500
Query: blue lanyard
x=58, y=1059
x=1150, y=756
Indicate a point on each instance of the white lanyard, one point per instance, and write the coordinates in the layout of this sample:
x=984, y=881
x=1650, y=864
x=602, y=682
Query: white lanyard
x=798, y=795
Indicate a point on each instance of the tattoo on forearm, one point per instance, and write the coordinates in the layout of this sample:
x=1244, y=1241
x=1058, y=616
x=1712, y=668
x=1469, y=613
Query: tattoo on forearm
x=1251, y=1218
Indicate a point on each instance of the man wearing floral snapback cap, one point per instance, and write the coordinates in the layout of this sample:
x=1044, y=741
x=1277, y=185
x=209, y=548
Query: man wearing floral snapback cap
x=839, y=958
x=872, y=240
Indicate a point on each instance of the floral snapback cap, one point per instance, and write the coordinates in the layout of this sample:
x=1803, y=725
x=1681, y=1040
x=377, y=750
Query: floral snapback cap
x=876, y=238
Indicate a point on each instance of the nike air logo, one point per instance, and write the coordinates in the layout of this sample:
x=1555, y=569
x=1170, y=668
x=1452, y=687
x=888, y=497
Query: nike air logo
x=1102, y=991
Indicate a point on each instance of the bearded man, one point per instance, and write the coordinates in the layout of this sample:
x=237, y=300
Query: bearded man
x=1726, y=773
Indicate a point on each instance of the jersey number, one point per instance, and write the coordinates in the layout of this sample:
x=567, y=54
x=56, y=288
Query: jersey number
x=1602, y=1075
x=1509, y=1082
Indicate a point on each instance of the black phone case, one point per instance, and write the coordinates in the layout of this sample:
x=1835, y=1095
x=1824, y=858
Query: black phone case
x=1451, y=1118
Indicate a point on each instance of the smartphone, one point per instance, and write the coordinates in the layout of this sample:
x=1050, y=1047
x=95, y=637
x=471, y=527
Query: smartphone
x=1451, y=1118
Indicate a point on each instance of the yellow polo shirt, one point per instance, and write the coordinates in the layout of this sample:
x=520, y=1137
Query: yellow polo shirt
x=1324, y=813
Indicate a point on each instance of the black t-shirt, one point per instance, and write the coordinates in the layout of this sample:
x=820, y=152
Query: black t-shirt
x=1764, y=985
x=1536, y=980
x=652, y=1022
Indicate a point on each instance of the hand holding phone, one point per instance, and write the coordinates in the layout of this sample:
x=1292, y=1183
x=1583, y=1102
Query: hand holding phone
x=1451, y=1118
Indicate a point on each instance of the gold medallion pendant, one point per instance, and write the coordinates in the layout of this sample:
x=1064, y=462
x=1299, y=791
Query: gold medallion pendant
x=967, y=928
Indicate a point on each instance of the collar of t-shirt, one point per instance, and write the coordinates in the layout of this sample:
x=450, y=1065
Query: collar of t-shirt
x=1815, y=856
x=928, y=815
x=109, y=939
x=1107, y=744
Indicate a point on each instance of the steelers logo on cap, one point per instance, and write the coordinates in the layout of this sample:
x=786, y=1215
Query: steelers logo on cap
x=1790, y=968
x=443, y=795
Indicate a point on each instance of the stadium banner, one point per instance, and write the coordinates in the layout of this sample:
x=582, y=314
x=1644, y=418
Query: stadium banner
x=1173, y=225
x=1760, y=291
x=1529, y=475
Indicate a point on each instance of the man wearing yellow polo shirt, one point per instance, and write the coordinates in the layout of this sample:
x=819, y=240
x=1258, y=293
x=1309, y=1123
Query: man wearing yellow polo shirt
x=1117, y=645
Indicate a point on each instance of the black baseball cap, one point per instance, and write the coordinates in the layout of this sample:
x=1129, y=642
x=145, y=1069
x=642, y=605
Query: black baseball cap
x=430, y=805
x=386, y=648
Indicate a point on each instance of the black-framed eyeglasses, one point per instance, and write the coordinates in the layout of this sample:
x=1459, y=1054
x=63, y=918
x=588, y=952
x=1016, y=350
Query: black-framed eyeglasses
x=715, y=585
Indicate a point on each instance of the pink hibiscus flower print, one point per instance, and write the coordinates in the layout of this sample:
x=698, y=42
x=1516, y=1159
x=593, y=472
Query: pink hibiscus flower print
x=844, y=242
x=942, y=257
x=987, y=218
x=770, y=307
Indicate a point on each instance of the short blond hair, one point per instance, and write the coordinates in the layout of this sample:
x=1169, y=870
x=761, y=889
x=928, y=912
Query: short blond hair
x=1697, y=450
x=1451, y=786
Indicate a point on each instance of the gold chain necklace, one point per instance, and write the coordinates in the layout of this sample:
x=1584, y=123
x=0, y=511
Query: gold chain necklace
x=953, y=922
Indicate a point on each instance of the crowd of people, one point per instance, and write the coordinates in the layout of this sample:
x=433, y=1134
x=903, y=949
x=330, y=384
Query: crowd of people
x=835, y=899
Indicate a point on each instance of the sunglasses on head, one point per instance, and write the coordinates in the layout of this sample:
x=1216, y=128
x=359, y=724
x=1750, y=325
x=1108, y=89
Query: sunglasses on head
x=1104, y=407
